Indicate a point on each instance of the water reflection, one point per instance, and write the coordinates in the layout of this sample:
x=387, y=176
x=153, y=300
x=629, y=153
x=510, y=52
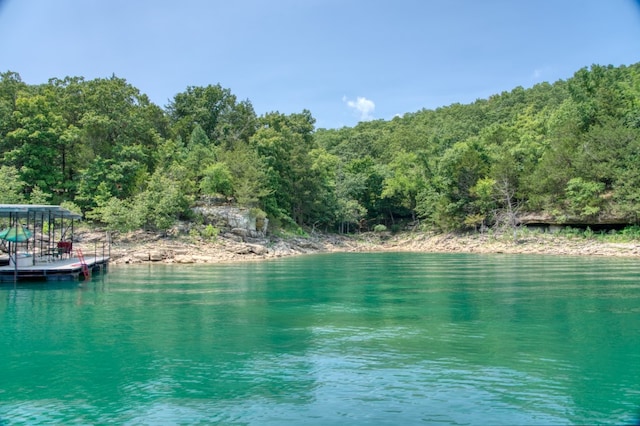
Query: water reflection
x=353, y=338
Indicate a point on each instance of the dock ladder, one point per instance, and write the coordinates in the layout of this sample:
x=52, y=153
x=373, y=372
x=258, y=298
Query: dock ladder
x=85, y=268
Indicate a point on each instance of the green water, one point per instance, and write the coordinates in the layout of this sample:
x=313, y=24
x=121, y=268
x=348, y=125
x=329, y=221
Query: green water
x=329, y=339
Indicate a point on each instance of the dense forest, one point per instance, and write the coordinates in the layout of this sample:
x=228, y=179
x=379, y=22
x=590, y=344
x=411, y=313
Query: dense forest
x=567, y=150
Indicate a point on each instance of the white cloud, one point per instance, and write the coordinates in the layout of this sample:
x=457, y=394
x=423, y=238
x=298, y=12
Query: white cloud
x=540, y=73
x=363, y=106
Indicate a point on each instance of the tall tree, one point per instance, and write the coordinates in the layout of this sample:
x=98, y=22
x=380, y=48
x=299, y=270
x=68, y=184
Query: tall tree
x=33, y=147
x=10, y=87
x=216, y=110
x=285, y=142
x=405, y=180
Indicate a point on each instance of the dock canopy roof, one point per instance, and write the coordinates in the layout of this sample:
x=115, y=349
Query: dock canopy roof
x=25, y=210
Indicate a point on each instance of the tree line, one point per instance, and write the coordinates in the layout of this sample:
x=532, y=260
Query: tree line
x=568, y=149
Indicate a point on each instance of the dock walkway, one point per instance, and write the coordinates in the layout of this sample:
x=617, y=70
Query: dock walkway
x=63, y=269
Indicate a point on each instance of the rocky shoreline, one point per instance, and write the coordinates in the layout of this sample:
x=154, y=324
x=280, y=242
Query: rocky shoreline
x=141, y=247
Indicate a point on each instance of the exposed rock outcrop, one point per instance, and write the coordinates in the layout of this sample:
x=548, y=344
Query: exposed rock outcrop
x=142, y=247
x=239, y=221
x=236, y=234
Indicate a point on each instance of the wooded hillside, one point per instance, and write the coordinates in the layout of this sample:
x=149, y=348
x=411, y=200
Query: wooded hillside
x=568, y=150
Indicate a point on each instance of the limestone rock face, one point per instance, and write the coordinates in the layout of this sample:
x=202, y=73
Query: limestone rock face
x=141, y=256
x=238, y=221
x=156, y=255
x=258, y=249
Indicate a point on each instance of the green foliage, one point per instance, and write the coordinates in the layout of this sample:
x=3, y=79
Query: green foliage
x=350, y=212
x=210, y=233
x=194, y=234
x=359, y=185
x=215, y=110
x=285, y=143
x=199, y=154
x=567, y=149
x=248, y=174
x=474, y=221
x=257, y=213
x=628, y=234
x=11, y=186
x=379, y=228
x=485, y=194
x=163, y=202
x=631, y=232
x=116, y=215
x=11, y=86
x=583, y=197
x=36, y=142
x=71, y=206
x=571, y=232
x=404, y=181
x=38, y=196
x=217, y=179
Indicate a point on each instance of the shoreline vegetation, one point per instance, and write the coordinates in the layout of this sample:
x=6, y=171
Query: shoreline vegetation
x=143, y=247
x=555, y=154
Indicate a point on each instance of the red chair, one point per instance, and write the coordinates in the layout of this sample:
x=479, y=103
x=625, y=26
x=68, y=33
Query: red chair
x=64, y=248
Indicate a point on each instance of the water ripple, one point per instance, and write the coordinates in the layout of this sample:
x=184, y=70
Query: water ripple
x=334, y=339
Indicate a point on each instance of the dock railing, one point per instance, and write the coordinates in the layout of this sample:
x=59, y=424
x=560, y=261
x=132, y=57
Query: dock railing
x=105, y=249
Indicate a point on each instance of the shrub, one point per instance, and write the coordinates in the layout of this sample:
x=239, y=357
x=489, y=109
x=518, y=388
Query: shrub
x=631, y=232
x=257, y=213
x=379, y=228
x=217, y=180
x=210, y=232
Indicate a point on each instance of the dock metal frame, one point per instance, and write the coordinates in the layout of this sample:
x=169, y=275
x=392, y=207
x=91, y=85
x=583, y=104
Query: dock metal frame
x=41, y=256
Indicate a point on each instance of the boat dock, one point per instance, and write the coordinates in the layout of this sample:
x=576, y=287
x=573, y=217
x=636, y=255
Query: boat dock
x=40, y=244
x=58, y=270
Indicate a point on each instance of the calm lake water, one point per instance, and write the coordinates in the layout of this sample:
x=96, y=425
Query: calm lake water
x=374, y=339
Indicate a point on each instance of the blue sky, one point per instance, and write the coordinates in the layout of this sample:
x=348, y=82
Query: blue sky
x=344, y=60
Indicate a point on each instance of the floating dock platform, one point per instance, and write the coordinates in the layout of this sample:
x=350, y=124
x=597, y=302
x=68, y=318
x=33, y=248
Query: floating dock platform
x=40, y=245
x=58, y=270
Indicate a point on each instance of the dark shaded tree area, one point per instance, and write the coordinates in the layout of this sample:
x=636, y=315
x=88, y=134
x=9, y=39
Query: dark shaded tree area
x=567, y=149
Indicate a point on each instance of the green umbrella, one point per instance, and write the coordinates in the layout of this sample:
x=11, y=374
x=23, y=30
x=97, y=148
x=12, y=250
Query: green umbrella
x=16, y=234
